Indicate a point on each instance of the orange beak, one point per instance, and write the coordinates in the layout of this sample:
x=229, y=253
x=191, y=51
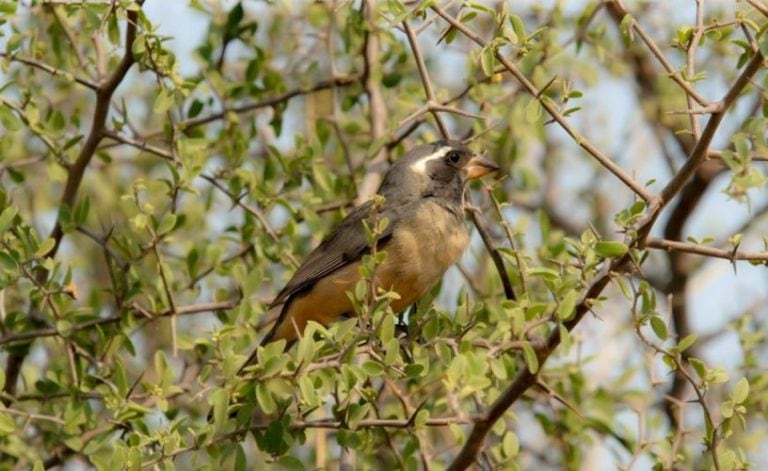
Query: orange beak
x=479, y=166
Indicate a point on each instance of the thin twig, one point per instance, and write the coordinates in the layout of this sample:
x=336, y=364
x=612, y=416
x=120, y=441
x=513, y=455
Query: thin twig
x=498, y=261
x=51, y=70
x=654, y=48
x=559, y=118
x=698, y=249
x=424, y=74
x=180, y=311
x=76, y=171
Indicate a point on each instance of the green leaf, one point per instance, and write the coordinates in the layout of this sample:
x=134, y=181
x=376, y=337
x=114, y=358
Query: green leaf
x=659, y=327
x=567, y=306
x=686, y=342
x=161, y=364
x=45, y=248
x=219, y=400
x=308, y=392
x=291, y=463
x=166, y=224
x=726, y=409
x=488, y=60
x=9, y=120
x=163, y=102
x=387, y=328
x=7, y=424
x=610, y=248
x=763, y=43
x=356, y=413
x=233, y=20
x=518, y=26
x=544, y=272
x=531, y=360
x=510, y=445
x=626, y=30
x=264, y=397
x=195, y=108
x=392, y=352
x=699, y=367
x=81, y=211
x=372, y=368
x=8, y=7
x=6, y=218
x=241, y=463
x=64, y=328
x=741, y=391
x=533, y=111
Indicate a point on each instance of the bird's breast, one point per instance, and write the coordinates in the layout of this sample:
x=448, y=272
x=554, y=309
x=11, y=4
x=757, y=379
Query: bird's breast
x=424, y=244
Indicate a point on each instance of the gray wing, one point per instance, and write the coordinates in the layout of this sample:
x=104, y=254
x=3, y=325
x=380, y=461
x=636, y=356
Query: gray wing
x=346, y=244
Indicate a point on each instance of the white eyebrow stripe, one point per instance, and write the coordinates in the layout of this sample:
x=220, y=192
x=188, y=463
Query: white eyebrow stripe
x=420, y=166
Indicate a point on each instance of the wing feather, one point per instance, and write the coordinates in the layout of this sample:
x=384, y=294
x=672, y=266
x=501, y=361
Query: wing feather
x=345, y=245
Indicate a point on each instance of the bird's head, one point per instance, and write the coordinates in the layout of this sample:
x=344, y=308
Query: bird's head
x=439, y=169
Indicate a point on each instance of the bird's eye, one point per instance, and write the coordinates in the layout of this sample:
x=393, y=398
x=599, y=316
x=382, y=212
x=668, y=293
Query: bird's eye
x=454, y=157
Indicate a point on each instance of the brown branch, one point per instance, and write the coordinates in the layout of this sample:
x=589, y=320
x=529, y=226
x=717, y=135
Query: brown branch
x=273, y=101
x=525, y=379
x=718, y=154
x=698, y=249
x=701, y=149
x=180, y=311
x=377, y=115
x=606, y=162
x=315, y=424
x=141, y=145
x=654, y=48
x=77, y=170
x=498, y=261
x=759, y=6
x=426, y=83
x=51, y=70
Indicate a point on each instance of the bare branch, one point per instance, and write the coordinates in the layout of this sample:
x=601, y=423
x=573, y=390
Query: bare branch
x=559, y=118
x=654, y=48
x=426, y=83
x=698, y=249
x=701, y=149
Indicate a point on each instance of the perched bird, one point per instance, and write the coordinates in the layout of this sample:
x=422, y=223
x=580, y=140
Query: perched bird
x=426, y=234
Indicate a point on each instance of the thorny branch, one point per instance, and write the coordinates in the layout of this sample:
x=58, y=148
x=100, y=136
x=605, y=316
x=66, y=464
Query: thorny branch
x=525, y=378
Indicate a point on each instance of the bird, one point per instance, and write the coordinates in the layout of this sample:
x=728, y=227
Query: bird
x=426, y=234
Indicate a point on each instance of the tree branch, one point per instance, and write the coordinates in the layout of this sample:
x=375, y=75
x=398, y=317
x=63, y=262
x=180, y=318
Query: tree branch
x=426, y=83
x=77, y=170
x=180, y=311
x=606, y=162
x=51, y=70
x=697, y=249
x=525, y=379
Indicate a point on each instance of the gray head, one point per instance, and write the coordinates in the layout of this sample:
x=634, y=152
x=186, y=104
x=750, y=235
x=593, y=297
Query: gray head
x=439, y=170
